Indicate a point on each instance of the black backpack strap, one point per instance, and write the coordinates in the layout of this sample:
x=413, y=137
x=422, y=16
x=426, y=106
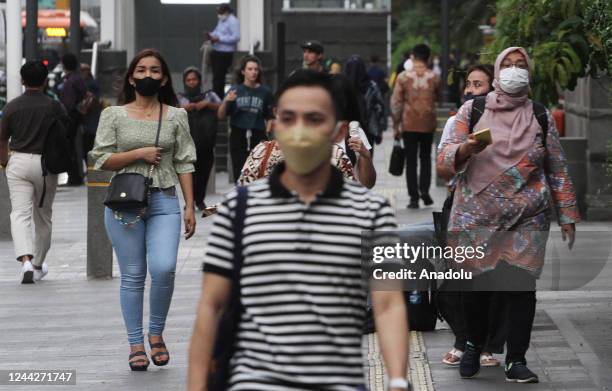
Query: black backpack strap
x=478, y=108
x=238, y=224
x=539, y=110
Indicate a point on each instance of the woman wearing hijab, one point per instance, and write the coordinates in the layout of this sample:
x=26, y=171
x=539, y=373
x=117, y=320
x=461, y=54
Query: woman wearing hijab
x=502, y=202
x=202, y=115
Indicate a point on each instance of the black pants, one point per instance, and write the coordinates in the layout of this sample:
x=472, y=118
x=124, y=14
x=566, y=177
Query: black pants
x=453, y=314
x=220, y=62
x=203, y=166
x=75, y=138
x=418, y=144
x=520, y=309
x=240, y=147
x=88, y=143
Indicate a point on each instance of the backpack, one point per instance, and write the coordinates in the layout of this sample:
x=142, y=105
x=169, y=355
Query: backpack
x=375, y=111
x=57, y=156
x=227, y=328
x=86, y=104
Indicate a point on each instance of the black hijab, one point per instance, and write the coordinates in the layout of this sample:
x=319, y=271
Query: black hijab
x=193, y=94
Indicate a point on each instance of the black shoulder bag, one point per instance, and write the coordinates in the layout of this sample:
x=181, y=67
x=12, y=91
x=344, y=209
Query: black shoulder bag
x=131, y=191
x=227, y=330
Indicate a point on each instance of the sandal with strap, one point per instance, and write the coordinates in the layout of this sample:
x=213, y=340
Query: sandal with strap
x=133, y=364
x=487, y=360
x=453, y=357
x=159, y=345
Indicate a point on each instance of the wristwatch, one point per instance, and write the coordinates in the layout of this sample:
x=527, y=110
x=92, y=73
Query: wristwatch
x=398, y=382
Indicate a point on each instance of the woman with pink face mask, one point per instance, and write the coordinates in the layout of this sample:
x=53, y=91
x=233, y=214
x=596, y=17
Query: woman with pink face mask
x=502, y=202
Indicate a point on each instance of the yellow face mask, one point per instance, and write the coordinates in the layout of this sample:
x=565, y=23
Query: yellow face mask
x=305, y=149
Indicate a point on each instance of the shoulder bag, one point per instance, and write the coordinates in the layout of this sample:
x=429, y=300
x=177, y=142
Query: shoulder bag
x=131, y=191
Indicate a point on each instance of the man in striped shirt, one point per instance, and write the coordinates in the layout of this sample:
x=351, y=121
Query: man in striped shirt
x=302, y=291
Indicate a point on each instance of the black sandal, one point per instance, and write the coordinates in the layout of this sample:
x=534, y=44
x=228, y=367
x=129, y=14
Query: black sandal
x=159, y=345
x=134, y=367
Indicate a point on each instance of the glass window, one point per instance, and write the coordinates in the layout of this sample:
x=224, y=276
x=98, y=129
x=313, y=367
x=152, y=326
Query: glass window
x=377, y=5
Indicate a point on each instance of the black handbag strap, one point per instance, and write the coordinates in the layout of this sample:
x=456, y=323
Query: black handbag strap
x=159, y=125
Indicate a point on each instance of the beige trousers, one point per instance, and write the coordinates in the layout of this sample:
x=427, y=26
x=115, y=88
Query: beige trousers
x=25, y=182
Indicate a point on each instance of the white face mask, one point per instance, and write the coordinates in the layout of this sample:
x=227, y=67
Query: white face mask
x=513, y=80
x=223, y=17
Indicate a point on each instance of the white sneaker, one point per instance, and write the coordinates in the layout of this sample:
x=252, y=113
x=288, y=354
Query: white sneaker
x=27, y=273
x=39, y=274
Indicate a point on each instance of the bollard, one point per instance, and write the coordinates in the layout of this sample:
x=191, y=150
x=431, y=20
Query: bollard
x=99, y=249
x=5, y=208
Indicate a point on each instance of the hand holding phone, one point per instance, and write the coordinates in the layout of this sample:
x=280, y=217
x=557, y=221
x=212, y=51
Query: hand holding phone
x=484, y=135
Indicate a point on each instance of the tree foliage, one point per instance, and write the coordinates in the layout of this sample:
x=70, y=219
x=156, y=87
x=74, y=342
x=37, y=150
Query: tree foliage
x=567, y=40
x=419, y=21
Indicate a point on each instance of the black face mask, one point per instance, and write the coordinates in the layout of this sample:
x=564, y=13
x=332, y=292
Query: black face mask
x=470, y=96
x=147, y=86
x=192, y=91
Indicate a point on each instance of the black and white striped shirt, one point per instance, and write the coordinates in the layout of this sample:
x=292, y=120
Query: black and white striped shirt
x=301, y=285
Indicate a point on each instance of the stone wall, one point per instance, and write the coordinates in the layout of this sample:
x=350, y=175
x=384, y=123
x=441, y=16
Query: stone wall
x=589, y=114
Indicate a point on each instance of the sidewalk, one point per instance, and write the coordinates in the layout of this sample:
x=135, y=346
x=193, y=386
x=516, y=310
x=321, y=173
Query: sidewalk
x=68, y=322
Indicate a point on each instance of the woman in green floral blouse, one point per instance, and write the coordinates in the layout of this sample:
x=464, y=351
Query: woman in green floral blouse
x=125, y=143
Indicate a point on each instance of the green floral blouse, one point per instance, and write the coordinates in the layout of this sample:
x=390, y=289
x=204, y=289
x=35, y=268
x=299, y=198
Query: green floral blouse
x=117, y=132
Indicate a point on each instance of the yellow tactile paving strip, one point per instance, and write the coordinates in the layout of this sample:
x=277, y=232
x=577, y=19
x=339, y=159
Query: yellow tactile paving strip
x=418, y=371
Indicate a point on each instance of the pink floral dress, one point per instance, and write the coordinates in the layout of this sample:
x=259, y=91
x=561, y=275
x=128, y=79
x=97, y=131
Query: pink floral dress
x=511, y=217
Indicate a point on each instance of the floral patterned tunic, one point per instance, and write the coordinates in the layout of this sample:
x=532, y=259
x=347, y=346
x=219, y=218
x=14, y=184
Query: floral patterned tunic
x=511, y=216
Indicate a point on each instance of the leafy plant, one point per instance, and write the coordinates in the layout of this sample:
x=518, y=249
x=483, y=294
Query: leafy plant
x=567, y=40
x=419, y=21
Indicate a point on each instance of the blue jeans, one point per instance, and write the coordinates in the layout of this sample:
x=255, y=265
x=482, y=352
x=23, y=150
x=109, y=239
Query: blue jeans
x=154, y=239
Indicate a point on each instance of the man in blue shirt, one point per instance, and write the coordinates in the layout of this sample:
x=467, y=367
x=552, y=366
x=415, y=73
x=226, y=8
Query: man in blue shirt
x=224, y=38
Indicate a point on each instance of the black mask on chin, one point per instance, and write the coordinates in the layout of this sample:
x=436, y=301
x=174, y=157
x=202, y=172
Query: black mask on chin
x=192, y=91
x=147, y=86
x=470, y=96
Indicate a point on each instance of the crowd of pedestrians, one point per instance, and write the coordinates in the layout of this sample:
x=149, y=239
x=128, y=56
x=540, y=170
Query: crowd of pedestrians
x=285, y=248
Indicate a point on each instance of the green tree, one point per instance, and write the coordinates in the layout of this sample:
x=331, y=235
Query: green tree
x=567, y=40
x=418, y=21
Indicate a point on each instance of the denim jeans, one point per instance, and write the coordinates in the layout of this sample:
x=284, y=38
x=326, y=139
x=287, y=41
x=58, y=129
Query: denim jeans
x=153, y=241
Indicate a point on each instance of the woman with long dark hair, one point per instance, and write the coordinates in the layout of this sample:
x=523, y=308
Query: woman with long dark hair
x=125, y=143
x=249, y=106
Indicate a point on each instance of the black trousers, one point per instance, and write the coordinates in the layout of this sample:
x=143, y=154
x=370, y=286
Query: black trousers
x=203, y=166
x=418, y=145
x=220, y=62
x=75, y=138
x=453, y=314
x=241, y=147
x=520, y=309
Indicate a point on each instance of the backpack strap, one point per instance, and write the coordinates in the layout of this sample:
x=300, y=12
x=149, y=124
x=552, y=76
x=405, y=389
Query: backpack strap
x=539, y=110
x=238, y=225
x=478, y=108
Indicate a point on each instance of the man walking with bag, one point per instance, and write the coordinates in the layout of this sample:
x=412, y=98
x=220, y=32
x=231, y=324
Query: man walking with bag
x=26, y=122
x=292, y=244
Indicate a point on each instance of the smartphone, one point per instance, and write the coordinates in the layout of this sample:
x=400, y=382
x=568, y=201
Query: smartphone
x=209, y=211
x=484, y=135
